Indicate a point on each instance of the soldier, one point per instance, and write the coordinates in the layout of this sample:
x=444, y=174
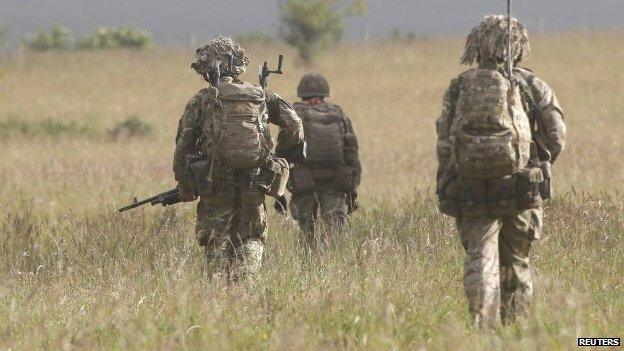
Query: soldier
x=327, y=180
x=223, y=155
x=497, y=138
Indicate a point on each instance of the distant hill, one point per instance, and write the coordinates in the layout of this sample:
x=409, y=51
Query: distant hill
x=176, y=22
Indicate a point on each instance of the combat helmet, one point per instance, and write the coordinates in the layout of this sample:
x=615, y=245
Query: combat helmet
x=487, y=42
x=219, y=49
x=313, y=85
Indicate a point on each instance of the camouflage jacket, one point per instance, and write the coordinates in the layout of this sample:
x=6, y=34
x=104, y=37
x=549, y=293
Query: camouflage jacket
x=351, y=146
x=195, y=116
x=540, y=103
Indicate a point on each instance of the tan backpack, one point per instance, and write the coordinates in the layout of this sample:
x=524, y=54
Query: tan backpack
x=323, y=127
x=490, y=134
x=239, y=129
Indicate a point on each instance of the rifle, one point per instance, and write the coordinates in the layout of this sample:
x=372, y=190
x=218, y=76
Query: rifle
x=264, y=71
x=215, y=73
x=170, y=197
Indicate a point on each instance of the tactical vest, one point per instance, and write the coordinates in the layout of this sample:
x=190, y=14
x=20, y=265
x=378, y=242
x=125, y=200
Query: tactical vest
x=239, y=128
x=490, y=133
x=324, y=130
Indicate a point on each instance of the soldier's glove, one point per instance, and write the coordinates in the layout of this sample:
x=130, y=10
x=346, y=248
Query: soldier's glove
x=187, y=194
x=281, y=205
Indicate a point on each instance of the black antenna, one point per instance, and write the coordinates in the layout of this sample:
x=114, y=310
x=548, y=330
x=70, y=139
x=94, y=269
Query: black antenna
x=509, y=54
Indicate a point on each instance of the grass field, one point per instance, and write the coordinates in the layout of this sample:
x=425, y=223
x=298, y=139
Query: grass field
x=74, y=274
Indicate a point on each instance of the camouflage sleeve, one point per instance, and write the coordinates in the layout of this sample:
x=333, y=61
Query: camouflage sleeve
x=186, y=138
x=351, y=148
x=443, y=128
x=551, y=129
x=285, y=117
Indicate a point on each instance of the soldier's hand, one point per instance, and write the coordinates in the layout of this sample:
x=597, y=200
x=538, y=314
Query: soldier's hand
x=186, y=193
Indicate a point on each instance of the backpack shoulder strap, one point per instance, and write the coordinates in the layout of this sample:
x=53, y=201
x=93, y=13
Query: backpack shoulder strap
x=454, y=91
x=525, y=82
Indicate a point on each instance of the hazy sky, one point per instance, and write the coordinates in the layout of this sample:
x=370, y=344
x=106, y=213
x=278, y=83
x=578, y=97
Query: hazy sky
x=175, y=21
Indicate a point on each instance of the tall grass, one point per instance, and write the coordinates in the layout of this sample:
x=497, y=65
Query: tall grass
x=77, y=275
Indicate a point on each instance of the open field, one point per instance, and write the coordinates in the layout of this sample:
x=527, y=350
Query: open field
x=76, y=275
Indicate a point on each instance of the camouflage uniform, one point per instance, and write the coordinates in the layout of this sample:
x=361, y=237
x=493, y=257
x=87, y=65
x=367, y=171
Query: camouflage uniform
x=231, y=219
x=497, y=277
x=325, y=195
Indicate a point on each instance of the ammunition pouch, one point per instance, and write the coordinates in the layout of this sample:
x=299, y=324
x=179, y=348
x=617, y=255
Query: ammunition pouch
x=459, y=196
x=197, y=169
x=529, y=181
x=448, y=192
x=273, y=176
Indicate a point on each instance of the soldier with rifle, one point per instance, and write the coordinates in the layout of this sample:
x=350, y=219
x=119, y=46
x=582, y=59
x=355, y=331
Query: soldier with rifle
x=224, y=156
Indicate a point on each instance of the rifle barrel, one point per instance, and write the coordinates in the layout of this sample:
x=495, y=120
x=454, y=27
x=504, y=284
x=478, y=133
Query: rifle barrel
x=137, y=204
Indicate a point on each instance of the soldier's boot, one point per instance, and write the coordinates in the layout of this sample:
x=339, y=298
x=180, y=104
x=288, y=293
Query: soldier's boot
x=516, y=281
x=481, y=269
x=246, y=260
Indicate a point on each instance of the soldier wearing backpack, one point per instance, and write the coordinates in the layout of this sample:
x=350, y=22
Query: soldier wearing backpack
x=497, y=139
x=325, y=183
x=223, y=155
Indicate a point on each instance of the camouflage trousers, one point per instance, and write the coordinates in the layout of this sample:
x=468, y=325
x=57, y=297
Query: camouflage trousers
x=332, y=206
x=497, y=274
x=232, y=227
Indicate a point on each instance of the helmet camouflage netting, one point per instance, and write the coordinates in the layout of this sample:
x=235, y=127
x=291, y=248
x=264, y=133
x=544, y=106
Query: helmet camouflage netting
x=218, y=49
x=487, y=42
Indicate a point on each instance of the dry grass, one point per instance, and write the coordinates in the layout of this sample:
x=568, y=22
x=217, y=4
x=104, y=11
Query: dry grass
x=77, y=275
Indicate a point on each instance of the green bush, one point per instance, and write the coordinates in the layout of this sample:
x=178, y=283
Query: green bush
x=131, y=127
x=117, y=37
x=44, y=128
x=313, y=25
x=57, y=37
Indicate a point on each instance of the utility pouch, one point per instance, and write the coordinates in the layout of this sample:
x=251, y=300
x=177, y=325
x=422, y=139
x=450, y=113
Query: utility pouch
x=472, y=196
x=197, y=167
x=448, y=192
x=344, y=178
x=273, y=177
x=545, y=187
x=527, y=185
x=502, y=196
x=301, y=180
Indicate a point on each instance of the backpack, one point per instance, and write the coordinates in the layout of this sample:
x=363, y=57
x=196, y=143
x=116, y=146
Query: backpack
x=324, y=130
x=239, y=130
x=490, y=134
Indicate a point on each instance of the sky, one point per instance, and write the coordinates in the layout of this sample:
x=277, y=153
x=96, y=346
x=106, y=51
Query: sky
x=176, y=21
